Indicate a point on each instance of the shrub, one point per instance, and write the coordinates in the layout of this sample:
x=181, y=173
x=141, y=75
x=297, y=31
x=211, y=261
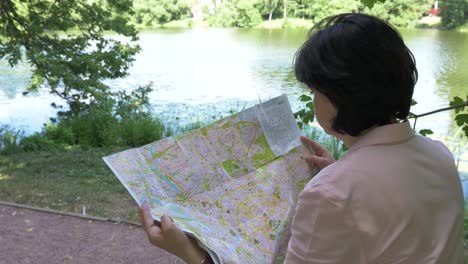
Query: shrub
x=38, y=142
x=10, y=139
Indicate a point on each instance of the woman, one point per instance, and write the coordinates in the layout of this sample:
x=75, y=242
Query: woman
x=395, y=197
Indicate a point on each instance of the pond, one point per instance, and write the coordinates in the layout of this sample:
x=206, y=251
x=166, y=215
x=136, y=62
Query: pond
x=202, y=74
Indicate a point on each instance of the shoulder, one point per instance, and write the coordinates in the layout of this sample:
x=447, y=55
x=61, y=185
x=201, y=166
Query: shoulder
x=435, y=145
x=335, y=181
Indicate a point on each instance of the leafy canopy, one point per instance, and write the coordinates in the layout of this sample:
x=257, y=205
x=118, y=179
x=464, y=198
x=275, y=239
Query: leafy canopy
x=64, y=42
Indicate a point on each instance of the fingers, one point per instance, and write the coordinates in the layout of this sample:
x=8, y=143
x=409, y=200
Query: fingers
x=146, y=218
x=315, y=161
x=153, y=232
x=312, y=146
x=166, y=223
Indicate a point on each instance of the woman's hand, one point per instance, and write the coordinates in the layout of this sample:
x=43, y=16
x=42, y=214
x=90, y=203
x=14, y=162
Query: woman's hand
x=166, y=235
x=319, y=156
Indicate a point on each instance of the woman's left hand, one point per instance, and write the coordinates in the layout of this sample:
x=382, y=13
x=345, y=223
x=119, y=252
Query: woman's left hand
x=166, y=235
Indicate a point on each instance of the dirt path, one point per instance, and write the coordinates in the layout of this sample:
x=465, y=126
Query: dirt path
x=30, y=236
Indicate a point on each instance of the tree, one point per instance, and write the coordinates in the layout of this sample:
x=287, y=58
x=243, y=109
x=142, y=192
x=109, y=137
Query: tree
x=237, y=13
x=320, y=9
x=271, y=6
x=400, y=13
x=454, y=13
x=64, y=42
x=156, y=12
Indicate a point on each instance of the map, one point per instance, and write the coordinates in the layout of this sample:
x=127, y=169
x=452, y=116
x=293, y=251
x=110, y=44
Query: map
x=232, y=185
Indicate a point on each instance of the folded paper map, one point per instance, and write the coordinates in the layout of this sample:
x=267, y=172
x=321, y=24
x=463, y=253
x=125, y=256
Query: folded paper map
x=232, y=185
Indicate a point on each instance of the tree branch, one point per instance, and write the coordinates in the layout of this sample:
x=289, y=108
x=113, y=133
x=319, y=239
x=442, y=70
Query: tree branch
x=440, y=110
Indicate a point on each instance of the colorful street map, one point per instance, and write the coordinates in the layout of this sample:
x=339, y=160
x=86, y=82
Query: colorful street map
x=232, y=185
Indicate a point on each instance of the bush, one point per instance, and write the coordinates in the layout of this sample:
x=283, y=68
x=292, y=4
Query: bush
x=119, y=119
x=10, y=139
x=38, y=142
x=142, y=130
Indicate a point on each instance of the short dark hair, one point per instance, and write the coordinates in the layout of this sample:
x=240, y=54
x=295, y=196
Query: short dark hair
x=361, y=64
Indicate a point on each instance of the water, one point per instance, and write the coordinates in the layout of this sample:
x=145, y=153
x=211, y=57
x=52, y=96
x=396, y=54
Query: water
x=201, y=74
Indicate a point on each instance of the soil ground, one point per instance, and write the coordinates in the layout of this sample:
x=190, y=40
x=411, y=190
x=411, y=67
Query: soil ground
x=39, y=237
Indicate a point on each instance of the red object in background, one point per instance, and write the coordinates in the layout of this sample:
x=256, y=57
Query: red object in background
x=433, y=12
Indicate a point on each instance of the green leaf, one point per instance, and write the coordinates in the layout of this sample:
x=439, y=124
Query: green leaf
x=413, y=102
x=425, y=132
x=370, y=3
x=465, y=128
x=461, y=119
x=305, y=98
x=299, y=113
x=457, y=101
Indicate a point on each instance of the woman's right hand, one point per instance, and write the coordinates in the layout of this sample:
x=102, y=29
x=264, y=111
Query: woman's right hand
x=319, y=156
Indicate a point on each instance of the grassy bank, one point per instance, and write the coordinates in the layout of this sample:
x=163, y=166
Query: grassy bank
x=425, y=22
x=288, y=23
x=179, y=24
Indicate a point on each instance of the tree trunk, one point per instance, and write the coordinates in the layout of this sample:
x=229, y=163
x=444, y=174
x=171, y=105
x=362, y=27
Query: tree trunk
x=285, y=9
x=270, y=15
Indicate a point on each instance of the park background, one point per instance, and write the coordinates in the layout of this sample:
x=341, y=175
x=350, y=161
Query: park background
x=181, y=65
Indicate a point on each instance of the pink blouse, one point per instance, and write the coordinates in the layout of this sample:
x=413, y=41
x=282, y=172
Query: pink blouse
x=395, y=197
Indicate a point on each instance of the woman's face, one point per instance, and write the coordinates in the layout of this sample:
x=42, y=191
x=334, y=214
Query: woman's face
x=325, y=111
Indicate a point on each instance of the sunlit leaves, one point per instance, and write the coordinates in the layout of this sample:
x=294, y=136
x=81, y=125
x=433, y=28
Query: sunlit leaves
x=458, y=101
x=65, y=44
x=306, y=115
x=462, y=119
x=370, y=3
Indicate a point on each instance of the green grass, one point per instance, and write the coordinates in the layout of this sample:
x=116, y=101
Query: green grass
x=66, y=181
x=185, y=23
x=463, y=28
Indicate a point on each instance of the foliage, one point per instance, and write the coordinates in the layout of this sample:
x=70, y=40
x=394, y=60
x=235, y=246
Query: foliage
x=151, y=13
x=64, y=43
x=320, y=9
x=236, y=13
x=269, y=7
x=121, y=119
x=39, y=142
x=306, y=115
x=454, y=13
x=461, y=116
x=9, y=139
x=400, y=13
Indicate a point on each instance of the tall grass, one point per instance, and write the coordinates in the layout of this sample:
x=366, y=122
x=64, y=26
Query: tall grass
x=332, y=144
x=10, y=139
